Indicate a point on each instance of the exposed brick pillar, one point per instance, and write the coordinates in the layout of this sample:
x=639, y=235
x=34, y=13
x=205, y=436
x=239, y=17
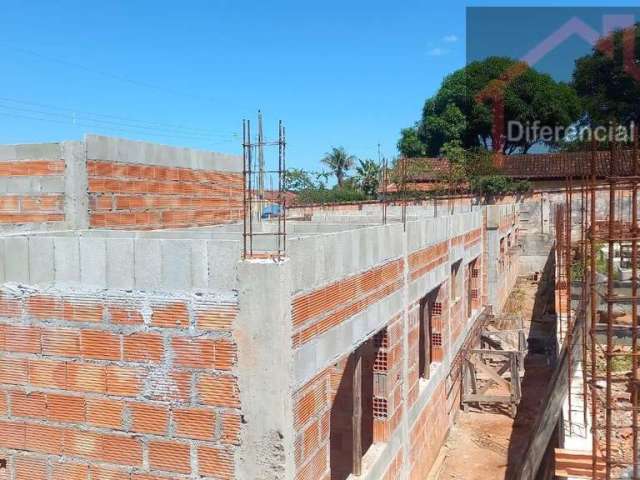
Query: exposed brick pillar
x=387, y=385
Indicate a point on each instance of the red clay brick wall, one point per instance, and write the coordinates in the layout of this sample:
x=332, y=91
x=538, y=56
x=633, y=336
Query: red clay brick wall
x=316, y=312
x=508, y=258
x=312, y=416
x=32, y=207
x=117, y=387
x=427, y=435
x=151, y=197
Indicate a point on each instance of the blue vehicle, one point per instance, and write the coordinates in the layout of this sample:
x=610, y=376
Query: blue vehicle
x=271, y=211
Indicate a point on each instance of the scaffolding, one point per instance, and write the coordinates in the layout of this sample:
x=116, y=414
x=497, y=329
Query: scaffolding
x=598, y=296
x=613, y=373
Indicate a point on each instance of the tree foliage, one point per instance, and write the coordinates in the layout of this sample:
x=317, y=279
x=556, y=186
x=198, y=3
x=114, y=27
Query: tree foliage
x=455, y=114
x=297, y=179
x=368, y=177
x=339, y=162
x=311, y=187
x=609, y=92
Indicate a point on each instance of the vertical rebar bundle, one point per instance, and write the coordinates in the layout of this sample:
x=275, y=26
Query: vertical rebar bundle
x=255, y=197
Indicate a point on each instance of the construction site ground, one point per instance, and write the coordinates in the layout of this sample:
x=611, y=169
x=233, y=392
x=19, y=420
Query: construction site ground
x=486, y=443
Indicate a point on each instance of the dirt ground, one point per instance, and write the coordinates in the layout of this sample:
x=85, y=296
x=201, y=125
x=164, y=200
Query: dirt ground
x=487, y=444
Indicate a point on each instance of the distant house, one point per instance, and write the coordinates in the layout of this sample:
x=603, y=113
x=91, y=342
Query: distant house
x=543, y=170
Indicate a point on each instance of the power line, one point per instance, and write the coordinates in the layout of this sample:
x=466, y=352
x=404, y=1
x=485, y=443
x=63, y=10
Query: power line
x=123, y=120
x=115, y=129
x=104, y=73
x=73, y=119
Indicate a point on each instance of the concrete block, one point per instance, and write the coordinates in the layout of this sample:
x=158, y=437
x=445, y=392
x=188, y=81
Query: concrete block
x=16, y=259
x=148, y=263
x=8, y=153
x=353, y=261
x=307, y=263
x=99, y=148
x=18, y=185
x=320, y=277
x=41, y=260
x=176, y=264
x=38, y=151
x=120, y=265
x=295, y=253
x=306, y=363
x=93, y=261
x=223, y=258
x=199, y=265
x=67, y=259
x=53, y=184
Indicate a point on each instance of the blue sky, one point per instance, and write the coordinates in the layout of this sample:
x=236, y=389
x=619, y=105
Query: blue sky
x=186, y=73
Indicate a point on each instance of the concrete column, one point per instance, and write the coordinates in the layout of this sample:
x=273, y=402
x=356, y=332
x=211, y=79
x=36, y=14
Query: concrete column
x=76, y=197
x=263, y=333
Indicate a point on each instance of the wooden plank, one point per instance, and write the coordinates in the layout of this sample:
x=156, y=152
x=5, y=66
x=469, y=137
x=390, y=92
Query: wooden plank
x=357, y=414
x=487, y=398
x=515, y=379
x=501, y=353
x=491, y=372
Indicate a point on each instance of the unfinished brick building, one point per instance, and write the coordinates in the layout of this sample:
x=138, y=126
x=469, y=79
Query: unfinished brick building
x=136, y=343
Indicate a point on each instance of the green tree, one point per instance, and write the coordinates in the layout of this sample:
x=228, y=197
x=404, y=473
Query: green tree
x=410, y=144
x=339, y=162
x=454, y=113
x=608, y=90
x=368, y=177
x=296, y=179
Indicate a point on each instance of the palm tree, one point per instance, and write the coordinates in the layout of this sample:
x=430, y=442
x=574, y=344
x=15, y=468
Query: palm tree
x=340, y=162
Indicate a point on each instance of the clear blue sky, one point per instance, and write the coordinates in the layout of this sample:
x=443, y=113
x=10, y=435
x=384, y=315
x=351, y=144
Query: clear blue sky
x=350, y=73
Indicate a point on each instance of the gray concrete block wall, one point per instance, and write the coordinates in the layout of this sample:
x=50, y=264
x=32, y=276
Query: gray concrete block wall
x=30, y=151
x=129, y=151
x=321, y=259
x=148, y=264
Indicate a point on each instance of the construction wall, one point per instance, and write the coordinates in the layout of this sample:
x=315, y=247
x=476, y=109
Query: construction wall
x=503, y=253
x=162, y=354
x=37, y=187
x=147, y=186
x=334, y=311
x=107, y=182
x=132, y=378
